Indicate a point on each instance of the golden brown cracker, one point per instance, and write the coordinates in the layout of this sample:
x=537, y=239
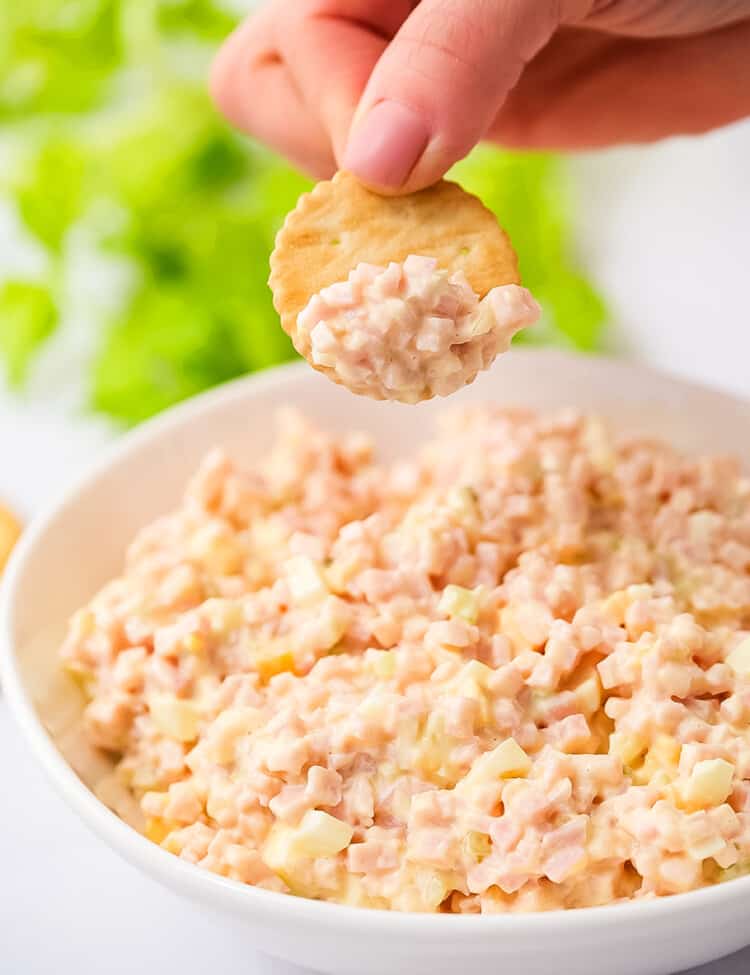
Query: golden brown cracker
x=10, y=530
x=341, y=223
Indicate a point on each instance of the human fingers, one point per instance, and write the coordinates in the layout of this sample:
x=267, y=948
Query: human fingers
x=292, y=75
x=254, y=89
x=439, y=84
x=588, y=89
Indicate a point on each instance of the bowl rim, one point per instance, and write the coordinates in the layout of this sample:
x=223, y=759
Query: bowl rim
x=243, y=898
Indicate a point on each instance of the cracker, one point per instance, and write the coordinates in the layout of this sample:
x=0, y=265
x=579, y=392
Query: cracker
x=10, y=530
x=341, y=223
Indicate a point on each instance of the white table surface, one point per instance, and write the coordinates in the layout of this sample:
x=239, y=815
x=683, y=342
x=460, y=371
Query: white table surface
x=664, y=230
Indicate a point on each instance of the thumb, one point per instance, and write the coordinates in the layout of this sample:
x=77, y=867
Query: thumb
x=438, y=86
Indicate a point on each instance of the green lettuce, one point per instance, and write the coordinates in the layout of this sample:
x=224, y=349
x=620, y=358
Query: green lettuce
x=168, y=346
x=57, y=55
x=49, y=191
x=112, y=135
x=28, y=317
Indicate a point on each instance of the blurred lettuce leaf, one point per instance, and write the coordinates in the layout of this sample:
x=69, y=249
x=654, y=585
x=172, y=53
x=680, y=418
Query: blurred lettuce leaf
x=49, y=191
x=28, y=316
x=201, y=314
x=207, y=20
x=577, y=310
x=168, y=148
x=118, y=138
x=276, y=191
x=200, y=222
x=170, y=346
x=56, y=55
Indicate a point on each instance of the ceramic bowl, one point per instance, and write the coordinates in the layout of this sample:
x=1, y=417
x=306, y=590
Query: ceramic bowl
x=77, y=544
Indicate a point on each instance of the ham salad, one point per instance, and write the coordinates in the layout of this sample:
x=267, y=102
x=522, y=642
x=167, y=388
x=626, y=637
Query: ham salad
x=508, y=673
x=410, y=331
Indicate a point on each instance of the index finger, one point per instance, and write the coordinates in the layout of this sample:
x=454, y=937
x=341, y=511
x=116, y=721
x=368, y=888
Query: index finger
x=293, y=74
x=254, y=89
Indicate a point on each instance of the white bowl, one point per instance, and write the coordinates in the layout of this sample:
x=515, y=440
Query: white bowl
x=79, y=543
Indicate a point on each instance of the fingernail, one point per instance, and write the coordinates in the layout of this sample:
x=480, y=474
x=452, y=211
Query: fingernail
x=386, y=144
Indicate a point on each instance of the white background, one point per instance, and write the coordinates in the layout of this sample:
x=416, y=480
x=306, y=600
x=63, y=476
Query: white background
x=663, y=230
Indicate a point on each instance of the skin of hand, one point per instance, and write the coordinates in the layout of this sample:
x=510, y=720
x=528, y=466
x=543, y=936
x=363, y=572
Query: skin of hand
x=397, y=91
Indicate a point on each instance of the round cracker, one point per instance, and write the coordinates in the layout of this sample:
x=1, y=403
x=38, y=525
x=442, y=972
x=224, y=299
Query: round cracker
x=341, y=223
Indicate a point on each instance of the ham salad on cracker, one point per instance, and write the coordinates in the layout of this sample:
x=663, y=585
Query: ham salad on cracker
x=399, y=298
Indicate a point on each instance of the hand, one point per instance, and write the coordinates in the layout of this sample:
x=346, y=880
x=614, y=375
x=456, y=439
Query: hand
x=397, y=91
